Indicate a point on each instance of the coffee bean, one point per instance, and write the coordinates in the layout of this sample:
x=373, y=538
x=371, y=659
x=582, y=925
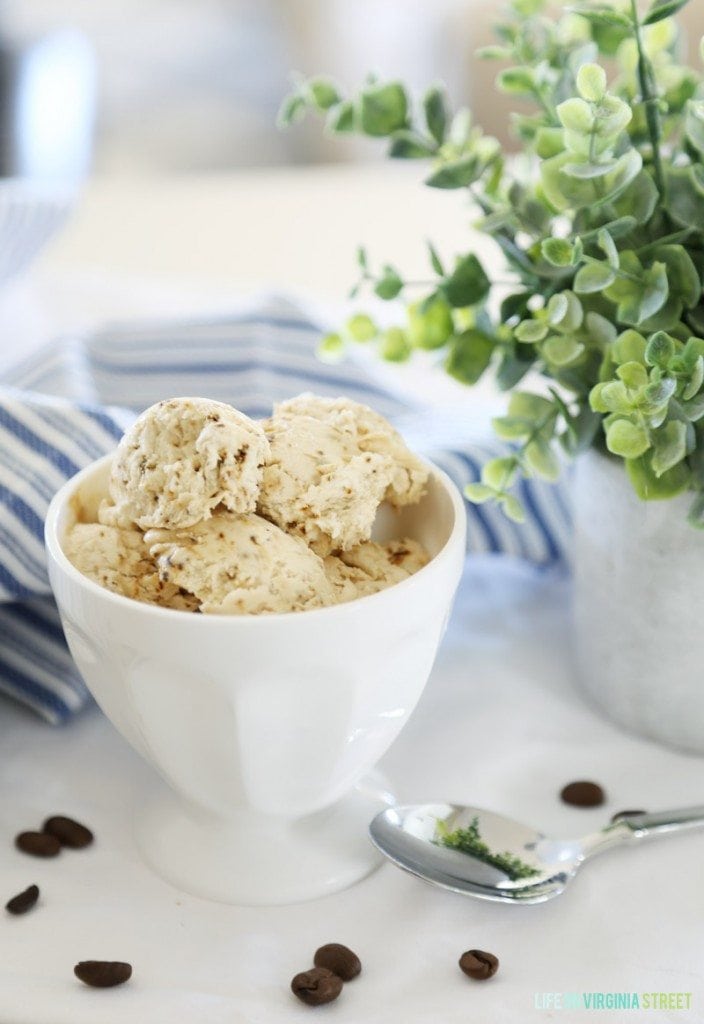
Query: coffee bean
x=39, y=844
x=316, y=986
x=583, y=794
x=23, y=901
x=103, y=973
x=338, y=959
x=624, y=814
x=479, y=965
x=68, y=832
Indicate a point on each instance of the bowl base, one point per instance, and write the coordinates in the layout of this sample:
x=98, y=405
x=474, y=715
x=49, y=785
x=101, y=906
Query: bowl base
x=261, y=860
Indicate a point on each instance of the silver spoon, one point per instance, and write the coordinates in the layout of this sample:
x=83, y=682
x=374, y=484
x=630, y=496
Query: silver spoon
x=480, y=853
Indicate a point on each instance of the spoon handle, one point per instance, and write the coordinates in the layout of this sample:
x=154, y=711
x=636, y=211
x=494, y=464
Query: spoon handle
x=641, y=826
x=644, y=826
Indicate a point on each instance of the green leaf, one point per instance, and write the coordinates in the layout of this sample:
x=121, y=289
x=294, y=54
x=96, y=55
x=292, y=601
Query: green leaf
x=389, y=284
x=431, y=327
x=658, y=393
x=696, y=380
x=468, y=283
x=519, y=81
x=591, y=82
x=479, y=493
x=512, y=428
x=629, y=347
x=611, y=396
x=670, y=446
x=589, y=171
x=469, y=355
x=600, y=330
x=435, y=111
x=685, y=192
x=531, y=331
x=456, y=173
x=626, y=439
x=634, y=375
x=395, y=347
x=581, y=431
x=514, y=306
x=511, y=370
x=576, y=115
x=694, y=123
x=331, y=348
x=408, y=145
x=526, y=405
x=565, y=192
x=292, y=109
x=513, y=508
x=549, y=142
x=341, y=118
x=682, y=274
x=559, y=252
x=662, y=9
x=562, y=350
x=608, y=247
x=500, y=473
x=650, y=487
x=593, y=277
x=694, y=408
x=435, y=260
x=639, y=200
x=361, y=327
x=660, y=350
x=603, y=14
x=541, y=460
x=557, y=309
x=323, y=93
x=383, y=109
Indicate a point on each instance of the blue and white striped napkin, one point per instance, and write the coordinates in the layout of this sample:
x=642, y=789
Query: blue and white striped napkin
x=70, y=404
x=30, y=213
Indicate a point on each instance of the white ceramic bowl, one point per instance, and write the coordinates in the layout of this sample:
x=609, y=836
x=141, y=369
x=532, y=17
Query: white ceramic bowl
x=263, y=726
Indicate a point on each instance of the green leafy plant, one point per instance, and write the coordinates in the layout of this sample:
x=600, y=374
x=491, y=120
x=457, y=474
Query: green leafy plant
x=468, y=840
x=601, y=223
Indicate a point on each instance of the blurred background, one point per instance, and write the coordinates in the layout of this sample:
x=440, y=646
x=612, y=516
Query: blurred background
x=141, y=87
x=135, y=87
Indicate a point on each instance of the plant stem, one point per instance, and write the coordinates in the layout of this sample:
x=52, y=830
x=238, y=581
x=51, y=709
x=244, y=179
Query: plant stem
x=649, y=102
x=676, y=236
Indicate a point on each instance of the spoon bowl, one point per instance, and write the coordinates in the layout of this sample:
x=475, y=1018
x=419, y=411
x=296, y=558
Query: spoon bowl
x=490, y=856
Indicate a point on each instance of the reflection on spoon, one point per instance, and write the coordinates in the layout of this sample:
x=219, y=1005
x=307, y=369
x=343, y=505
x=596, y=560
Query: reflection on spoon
x=457, y=848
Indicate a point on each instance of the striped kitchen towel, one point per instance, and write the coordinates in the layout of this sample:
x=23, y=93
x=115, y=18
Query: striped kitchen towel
x=31, y=212
x=70, y=404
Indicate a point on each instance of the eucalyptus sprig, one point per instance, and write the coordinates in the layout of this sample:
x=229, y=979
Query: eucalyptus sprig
x=601, y=224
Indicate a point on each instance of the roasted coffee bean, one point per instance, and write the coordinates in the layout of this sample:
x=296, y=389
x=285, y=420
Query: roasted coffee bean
x=624, y=814
x=23, y=901
x=583, y=794
x=68, y=832
x=338, y=959
x=317, y=986
x=479, y=965
x=39, y=844
x=103, y=973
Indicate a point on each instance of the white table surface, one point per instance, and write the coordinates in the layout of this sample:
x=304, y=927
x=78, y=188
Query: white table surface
x=501, y=724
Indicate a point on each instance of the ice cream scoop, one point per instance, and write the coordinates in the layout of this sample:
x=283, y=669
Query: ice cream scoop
x=180, y=460
x=319, y=485
x=119, y=560
x=372, y=433
x=241, y=565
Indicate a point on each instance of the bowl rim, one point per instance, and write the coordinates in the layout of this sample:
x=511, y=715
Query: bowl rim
x=57, y=555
